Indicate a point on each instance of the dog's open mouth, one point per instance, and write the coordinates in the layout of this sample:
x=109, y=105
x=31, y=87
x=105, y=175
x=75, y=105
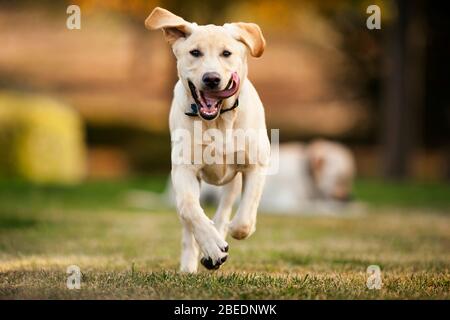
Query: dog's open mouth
x=210, y=102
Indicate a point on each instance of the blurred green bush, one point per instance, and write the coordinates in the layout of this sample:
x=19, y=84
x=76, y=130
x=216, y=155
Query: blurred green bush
x=41, y=139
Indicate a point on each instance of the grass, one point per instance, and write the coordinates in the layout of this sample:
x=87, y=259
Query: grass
x=128, y=253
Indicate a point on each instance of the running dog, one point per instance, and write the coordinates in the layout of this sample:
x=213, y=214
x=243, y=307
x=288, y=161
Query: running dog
x=214, y=94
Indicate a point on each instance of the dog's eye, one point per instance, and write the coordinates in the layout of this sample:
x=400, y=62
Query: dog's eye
x=226, y=53
x=196, y=53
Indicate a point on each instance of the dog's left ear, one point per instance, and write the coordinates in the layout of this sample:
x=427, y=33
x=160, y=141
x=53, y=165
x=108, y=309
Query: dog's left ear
x=173, y=26
x=250, y=34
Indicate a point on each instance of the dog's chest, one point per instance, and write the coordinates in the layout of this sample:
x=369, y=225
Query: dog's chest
x=222, y=157
x=220, y=165
x=218, y=174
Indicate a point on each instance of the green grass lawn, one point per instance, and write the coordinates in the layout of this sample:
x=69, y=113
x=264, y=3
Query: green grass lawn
x=125, y=252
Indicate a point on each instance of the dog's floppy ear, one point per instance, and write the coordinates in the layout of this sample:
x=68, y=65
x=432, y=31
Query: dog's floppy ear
x=250, y=34
x=317, y=163
x=315, y=156
x=173, y=26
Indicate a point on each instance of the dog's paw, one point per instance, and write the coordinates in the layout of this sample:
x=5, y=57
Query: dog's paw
x=188, y=269
x=210, y=265
x=212, y=245
x=189, y=263
x=241, y=230
x=213, y=258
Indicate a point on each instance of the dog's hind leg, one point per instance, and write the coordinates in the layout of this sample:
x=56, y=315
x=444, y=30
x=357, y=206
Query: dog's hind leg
x=229, y=193
x=187, y=193
x=189, y=251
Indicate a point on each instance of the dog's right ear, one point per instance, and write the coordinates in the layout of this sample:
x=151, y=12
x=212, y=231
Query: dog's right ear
x=173, y=26
x=250, y=34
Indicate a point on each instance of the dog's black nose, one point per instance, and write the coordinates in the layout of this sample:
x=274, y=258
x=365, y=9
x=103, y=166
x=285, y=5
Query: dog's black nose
x=211, y=79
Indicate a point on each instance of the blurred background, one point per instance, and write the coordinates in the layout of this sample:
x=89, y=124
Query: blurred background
x=85, y=149
x=93, y=103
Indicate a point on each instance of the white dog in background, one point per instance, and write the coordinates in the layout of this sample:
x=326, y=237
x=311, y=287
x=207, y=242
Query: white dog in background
x=311, y=178
x=213, y=93
x=317, y=177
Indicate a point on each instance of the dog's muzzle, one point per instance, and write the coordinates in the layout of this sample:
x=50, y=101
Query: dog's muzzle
x=210, y=102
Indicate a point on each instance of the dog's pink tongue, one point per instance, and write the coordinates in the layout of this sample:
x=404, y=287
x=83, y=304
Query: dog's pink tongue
x=214, y=95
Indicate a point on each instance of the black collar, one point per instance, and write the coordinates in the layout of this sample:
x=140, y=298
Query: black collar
x=194, y=108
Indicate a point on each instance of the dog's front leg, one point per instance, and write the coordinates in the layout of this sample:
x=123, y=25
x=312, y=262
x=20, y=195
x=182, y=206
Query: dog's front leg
x=194, y=220
x=244, y=222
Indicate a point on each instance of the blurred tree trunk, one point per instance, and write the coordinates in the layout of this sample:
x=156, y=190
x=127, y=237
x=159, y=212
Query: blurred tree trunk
x=403, y=89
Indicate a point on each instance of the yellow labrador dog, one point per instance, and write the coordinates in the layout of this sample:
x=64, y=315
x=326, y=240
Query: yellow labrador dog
x=214, y=96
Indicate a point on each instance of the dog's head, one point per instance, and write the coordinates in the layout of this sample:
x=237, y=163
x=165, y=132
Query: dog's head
x=332, y=167
x=211, y=60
